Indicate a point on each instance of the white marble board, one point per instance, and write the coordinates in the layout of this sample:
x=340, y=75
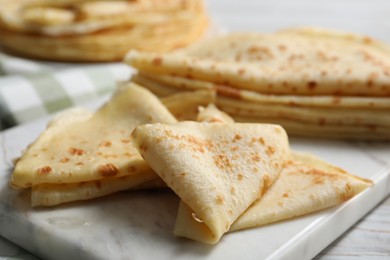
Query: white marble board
x=138, y=225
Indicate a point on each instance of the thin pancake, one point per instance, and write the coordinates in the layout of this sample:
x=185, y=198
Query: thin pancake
x=74, y=150
x=216, y=169
x=280, y=63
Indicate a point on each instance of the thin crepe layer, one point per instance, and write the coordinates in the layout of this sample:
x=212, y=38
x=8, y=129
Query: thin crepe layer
x=79, y=147
x=317, y=116
x=316, y=62
x=55, y=194
x=98, y=30
x=216, y=169
x=306, y=184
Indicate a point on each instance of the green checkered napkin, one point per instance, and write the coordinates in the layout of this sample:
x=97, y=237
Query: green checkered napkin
x=29, y=90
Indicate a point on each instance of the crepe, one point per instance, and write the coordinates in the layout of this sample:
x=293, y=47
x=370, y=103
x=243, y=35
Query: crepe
x=75, y=30
x=55, y=194
x=314, y=82
x=80, y=146
x=306, y=184
x=316, y=62
x=218, y=170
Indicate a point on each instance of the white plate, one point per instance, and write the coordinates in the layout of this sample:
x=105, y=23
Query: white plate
x=138, y=225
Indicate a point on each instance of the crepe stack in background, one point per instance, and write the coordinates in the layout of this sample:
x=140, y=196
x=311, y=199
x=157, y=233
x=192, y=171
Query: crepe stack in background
x=82, y=30
x=312, y=81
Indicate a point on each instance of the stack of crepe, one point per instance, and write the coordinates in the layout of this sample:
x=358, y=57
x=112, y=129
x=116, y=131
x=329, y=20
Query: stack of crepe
x=313, y=82
x=228, y=175
x=98, y=30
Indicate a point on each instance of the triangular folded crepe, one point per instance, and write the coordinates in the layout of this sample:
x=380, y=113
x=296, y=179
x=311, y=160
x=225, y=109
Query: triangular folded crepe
x=54, y=194
x=218, y=170
x=306, y=184
x=79, y=147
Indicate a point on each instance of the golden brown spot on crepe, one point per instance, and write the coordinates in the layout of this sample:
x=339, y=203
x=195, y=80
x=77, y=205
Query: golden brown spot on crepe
x=182, y=175
x=219, y=199
x=157, y=61
x=127, y=154
x=105, y=144
x=367, y=40
x=237, y=137
x=311, y=84
x=347, y=193
x=232, y=190
x=35, y=155
x=108, y=170
x=80, y=164
x=64, y=160
x=324, y=73
x=230, y=212
x=125, y=141
x=270, y=150
x=285, y=84
x=321, y=121
x=240, y=176
x=44, y=170
x=281, y=203
x=256, y=158
x=222, y=161
x=196, y=143
x=285, y=195
x=234, y=148
x=260, y=52
x=76, y=151
x=270, y=85
x=318, y=180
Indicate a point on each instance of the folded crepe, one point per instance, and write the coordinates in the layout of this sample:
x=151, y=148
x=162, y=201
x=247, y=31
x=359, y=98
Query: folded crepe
x=49, y=194
x=332, y=84
x=218, y=170
x=81, y=146
x=306, y=184
x=84, y=30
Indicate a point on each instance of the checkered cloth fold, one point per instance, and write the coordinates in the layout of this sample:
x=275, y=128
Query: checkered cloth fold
x=29, y=89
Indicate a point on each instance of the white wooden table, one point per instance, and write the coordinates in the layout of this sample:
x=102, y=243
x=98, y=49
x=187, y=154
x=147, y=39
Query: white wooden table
x=369, y=238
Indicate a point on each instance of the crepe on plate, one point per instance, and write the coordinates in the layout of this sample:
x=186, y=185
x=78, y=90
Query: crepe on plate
x=49, y=194
x=305, y=184
x=314, y=82
x=82, y=146
x=216, y=169
x=81, y=30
